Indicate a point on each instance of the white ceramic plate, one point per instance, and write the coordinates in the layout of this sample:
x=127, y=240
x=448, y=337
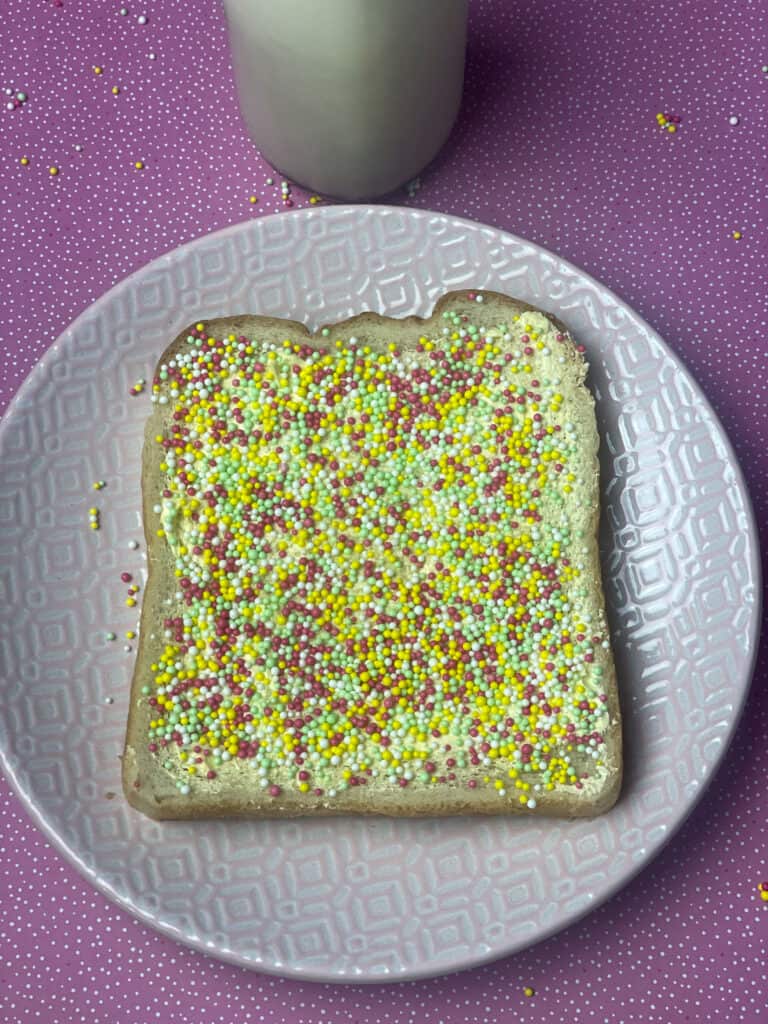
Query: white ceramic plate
x=353, y=899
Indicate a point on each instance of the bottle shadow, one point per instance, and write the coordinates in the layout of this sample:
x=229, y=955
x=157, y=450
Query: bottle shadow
x=498, y=85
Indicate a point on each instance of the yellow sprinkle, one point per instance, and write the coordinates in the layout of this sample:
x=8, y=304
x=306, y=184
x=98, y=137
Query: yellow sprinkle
x=130, y=602
x=139, y=165
x=53, y=170
x=24, y=161
x=736, y=235
x=97, y=70
x=115, y=90
x=253, y=199
x=528, y=991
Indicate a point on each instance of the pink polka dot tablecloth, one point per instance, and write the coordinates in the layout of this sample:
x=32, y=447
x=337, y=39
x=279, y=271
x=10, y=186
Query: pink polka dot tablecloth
x=628, y=138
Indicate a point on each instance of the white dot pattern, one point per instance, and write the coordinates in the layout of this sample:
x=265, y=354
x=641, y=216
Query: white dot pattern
x=559, y=142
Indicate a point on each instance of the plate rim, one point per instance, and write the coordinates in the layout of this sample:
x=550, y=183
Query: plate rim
x=563, y=922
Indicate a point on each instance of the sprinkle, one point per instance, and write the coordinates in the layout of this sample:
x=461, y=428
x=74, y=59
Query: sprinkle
x=99, y=485
x=153, y=56
x=109, y=700
x=115, y=90
x=270, y=181
x=668, y=122
x=139, y=165
x=16, y=98
x=78, y=148
x=53, y=170
x=314, y=200
x=126, y=577
x=142, y=19
x=412, y=187
x=529, y=991
x=133, y=545
x=734, y=119
x=94, y=518
x=111, y=636
x=138, y=387
x=130, y=602
x=24, y=161
x=123, y=11
x=736, y=234
x=130, y=634
x=98, y=70
x=253, y=199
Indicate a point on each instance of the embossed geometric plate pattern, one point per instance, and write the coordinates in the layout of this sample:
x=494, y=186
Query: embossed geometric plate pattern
x=346, y=899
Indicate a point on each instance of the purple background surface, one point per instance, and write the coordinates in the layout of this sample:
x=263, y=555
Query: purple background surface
x=558, y=142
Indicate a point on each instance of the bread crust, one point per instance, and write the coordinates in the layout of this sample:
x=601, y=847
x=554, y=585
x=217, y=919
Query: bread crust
x=151, y=790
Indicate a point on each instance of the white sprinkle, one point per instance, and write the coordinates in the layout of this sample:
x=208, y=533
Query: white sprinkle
x=133, y=544
x=153, y=56
x=123, y=11
x=142, y=19
x=531, y=803
x=109, y=700
x=733, y=119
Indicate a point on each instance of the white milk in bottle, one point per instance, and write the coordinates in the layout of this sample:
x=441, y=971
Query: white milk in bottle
x=350, y=98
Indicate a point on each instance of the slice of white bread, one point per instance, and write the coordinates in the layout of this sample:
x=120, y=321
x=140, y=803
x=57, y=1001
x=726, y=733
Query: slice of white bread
x=374, y=583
